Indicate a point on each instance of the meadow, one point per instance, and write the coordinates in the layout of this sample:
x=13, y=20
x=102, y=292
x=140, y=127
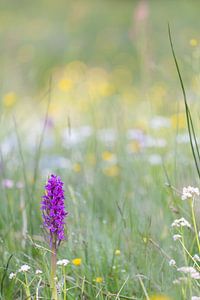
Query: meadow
x=90, y=92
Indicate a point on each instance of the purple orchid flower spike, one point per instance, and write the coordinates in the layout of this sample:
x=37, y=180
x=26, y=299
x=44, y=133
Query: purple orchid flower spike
x=53, y=209
x=54, y=213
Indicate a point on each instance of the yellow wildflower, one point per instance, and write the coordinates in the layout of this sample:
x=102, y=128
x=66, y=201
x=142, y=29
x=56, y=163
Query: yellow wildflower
x=178, y=120
x=108, y=156
x=9, y=99
x=193, y=42
x=111, y=171
x=77, y=261
x=134, y=147
x=159, y=297
x=117, y=252
x=76, y=167
x=65, y=84
x=99, y=279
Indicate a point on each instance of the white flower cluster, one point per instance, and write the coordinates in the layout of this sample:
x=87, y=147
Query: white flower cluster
x=172, y=262
x=24, y=268
x=195, y=298
x=63, y=262
x=191, y=271
x=12, y=275
x=189, y=192
x=181, y=223
x=176, y=237
x=196, y=257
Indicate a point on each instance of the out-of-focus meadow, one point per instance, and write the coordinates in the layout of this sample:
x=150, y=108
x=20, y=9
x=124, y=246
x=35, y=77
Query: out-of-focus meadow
x=89, y=91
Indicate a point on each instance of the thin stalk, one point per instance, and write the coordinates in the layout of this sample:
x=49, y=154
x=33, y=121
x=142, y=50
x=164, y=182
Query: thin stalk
x=143, y=288
x=195, y=224
x=186, y=261
x=65, y=287
x=28, y=294
x=53, y=271
x=195, y=152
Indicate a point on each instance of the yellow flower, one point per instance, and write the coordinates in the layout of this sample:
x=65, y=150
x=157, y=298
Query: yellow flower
x=77, y=261
x=178, y=120
x=99, y=279
x=193, y=42
x=111, y=171
x=9, y=99
x=117, y=252
x=159, y=297
x=65, y=84
x=134, y=147
x=108, y=156
x=76, y=167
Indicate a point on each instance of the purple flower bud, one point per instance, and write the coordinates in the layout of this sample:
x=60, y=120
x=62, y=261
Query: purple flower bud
x=53, y=209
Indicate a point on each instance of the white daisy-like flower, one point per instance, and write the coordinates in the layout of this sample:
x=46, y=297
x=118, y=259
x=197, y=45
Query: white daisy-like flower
x=182, y=222
x=24, y=268
x=172, y=262
x=195, y=298
x=12, y=275
x=176, y=237
x=38, y=272
x=63, y=262
x=190, y=192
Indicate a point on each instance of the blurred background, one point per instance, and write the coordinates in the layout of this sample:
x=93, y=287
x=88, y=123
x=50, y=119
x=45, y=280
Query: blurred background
x=99, y=54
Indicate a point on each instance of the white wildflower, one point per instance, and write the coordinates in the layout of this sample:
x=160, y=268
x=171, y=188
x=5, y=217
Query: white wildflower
x=186, y=269
x=172, y=262
x=63, y=262
x=24, y=268
x=189, y=192
x=38, y=272
x=195, y=298
x=195, y=275
x=191, y=271
x=181, y=223
x=155, y=159
x=159, y=122
x=176, y=237
x=196, y=257
x=12, y=275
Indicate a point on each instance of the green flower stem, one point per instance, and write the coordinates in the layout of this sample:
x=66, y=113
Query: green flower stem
x=27, y=289
x=195, y=224
x=65, y=287
x=186, y=263
x=53, y=271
